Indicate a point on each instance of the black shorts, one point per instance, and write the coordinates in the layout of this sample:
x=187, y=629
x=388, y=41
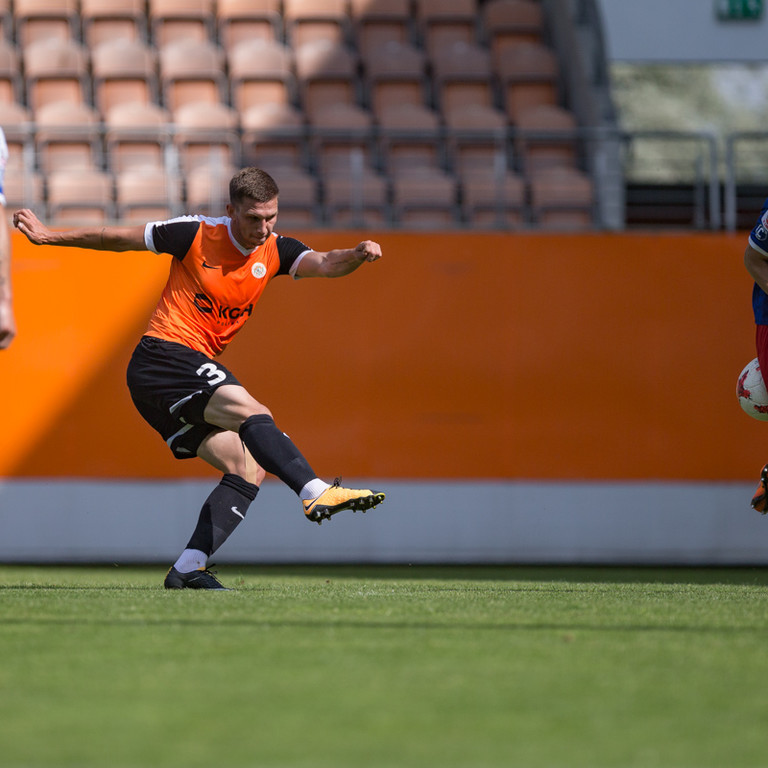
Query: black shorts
x=170, y=385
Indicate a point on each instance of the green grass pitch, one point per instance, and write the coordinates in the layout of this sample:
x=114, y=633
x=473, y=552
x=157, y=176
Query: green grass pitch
x=373, y=667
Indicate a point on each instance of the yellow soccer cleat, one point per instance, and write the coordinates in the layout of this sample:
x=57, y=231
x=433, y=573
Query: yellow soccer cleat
x=760, y=499
x=335, y=499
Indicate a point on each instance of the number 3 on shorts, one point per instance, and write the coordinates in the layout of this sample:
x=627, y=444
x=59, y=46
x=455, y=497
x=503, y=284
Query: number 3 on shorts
x=214, y=375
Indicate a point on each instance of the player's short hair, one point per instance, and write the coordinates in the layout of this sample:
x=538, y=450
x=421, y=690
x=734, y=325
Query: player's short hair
x=252, y=184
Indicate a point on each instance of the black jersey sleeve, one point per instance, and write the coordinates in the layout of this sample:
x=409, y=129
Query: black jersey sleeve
x=289, y=249
x=174, y=236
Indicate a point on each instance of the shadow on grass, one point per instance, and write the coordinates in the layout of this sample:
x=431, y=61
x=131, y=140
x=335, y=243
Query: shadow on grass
x=576, y=574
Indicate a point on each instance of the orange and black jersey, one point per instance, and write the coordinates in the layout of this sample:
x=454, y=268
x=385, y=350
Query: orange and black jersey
x=214, y=283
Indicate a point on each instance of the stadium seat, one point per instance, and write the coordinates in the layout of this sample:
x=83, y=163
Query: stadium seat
x=207, y=135
x=109, y=20
x=493, y=199
x=80, y=196
x=261, y=72
x=547, y=136
x=326, y=74
x=359, y=200
x=465, y=88
x=394, y=74
x=137, y=135
x=174, y=20
x=192, y=72
x=56, y=70
x=425, y=199
x=23, y=185
x=562, y=197
x=307, y=21
x=528, y=74
x=146, y=194
x=410, y=139
x=207, y=188
x=377, y=22
x=441, y=23
x=11, y=85
x=68, y=137
x=45, y=19
x=274, y=138
x=124, y=71
x=299, y=204
x=6, y=20
x=244, y=20
x=509, y=22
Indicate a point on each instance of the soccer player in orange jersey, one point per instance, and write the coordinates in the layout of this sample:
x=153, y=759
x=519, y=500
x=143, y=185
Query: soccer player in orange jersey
x=219, y=269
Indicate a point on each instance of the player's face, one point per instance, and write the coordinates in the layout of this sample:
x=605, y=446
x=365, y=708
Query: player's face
x=252, y=223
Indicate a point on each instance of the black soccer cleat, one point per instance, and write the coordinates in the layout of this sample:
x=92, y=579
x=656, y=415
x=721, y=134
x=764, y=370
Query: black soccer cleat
x=202, y=578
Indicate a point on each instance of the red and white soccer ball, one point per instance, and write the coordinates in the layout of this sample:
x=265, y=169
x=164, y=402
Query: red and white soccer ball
x=752, y=392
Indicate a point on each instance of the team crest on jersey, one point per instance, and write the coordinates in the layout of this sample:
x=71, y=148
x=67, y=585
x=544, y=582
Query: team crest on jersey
x=258, y=270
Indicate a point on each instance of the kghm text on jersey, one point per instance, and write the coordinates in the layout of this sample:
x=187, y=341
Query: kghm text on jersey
x=206, y=306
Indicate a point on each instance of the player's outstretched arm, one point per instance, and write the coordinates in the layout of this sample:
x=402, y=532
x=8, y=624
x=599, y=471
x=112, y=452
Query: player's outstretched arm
x=757, y=266
x=95, y=238
x=338, y=263
x=7, y=321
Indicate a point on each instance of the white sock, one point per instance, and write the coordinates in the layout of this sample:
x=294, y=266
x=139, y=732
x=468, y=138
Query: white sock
x=190, y=560
x=313, y=489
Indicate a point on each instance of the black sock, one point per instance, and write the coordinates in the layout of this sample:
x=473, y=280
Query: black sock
x=222, y=512
x=275, y=451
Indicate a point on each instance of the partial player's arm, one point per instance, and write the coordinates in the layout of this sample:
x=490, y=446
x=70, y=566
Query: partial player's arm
x=756, y=263
x=96, y=238
x=338, y=263
x=7, y=321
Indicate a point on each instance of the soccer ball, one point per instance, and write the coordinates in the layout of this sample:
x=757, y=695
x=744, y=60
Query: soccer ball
x=752, y=393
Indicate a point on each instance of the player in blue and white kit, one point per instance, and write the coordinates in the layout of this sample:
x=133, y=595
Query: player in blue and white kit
x=756, y=262
x=7, y=322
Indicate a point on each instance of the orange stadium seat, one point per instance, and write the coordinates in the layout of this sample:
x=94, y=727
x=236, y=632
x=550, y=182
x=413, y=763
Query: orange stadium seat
x=173, y=20
x=146, y=194
x=395, y=74
x=410, y=139
x=207, y=189
x=442, y=23
x=6, y=20
x=425, y=199
x=43, y=19
x=56, y=70
x=11, y=85
x=509, y=22
x=124, y=71
x=137, y=135
x=109, y=20
x=375, y=22
x=355, y=201
x=562, y=197
x=67, y=137
x=547, y=136
x=80, y=196
x=261, y=72
x=299, y=200
x=528, y=74
x=23, y=185
x=307, y=21
x=326, y=74
x=206, y=135
x=192, y=72
x=493, y=199
x=240, y=21
x=274, y=138
x=464, y=84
